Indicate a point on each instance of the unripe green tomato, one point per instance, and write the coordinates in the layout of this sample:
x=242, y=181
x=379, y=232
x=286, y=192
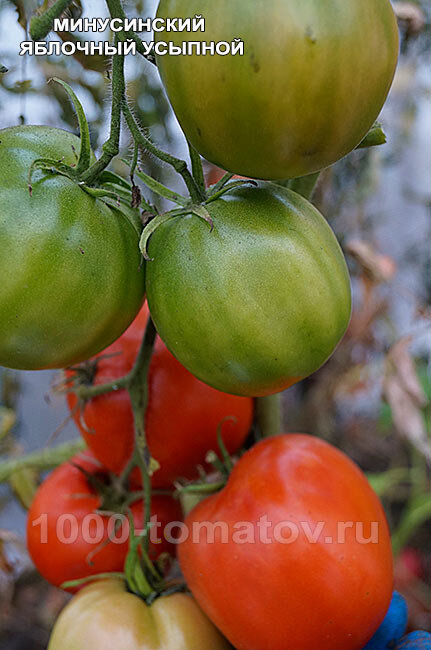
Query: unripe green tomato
x=70, y=267
x=258, y=303
x=105, y=616
x=313, y=79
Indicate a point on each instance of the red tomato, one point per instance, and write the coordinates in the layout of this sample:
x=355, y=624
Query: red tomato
x=297, y=584
x=182, y=418
x=66, y=537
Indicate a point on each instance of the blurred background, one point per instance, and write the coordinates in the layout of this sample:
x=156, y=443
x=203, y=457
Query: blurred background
x=373, y=399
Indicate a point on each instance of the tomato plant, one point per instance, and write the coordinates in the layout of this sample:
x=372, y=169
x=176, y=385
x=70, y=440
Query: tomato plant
x=68, y=539
x=314, y=575
x=183, y=417
x=312, y=81
x=72, y=279
x=258, y=303
x=105, y=615
x=249, y=292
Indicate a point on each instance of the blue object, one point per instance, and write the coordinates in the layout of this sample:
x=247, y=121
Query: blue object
x=393, y=626
x=415, y=641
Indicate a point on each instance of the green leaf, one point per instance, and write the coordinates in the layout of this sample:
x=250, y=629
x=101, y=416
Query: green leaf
x=385, y=481
x=229, y=188
x=160, y=189
x=374, y=138
x=417, y=513
x=24, y=485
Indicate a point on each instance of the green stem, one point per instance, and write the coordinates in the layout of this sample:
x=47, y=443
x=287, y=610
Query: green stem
x=136, y=383
x=86, y=393
x=269, y=416
x=111, y=147
x=41, y=460
x=116, y=11
x=197, y=170
x=40, y=26
x=304, y=185
x=138, y=391
x=179, y=165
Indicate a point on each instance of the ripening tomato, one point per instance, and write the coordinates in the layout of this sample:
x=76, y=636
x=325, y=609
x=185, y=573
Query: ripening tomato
x=182, y=419
x=70, y=268
x=313, y=79
x=67, y=537
x=105, y=616
x=257, y=304
x=294, y=553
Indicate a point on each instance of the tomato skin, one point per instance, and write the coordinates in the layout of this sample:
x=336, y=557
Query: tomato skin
x=302, y=595
x=72, y=279
x=182, y=418
x=259, y=303
x=105, y=616
x=63, y=554
x=312, y=81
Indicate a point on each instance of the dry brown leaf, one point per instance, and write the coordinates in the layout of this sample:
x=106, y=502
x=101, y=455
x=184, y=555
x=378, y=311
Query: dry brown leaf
x=406, y=397
x=411, y=14
x=380, y=268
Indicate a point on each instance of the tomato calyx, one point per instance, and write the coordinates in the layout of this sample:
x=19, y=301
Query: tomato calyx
x=188, y=208
x=83, y=160
x=192, y=493
x=104, y=185
x=143, y=577
x=112, y=490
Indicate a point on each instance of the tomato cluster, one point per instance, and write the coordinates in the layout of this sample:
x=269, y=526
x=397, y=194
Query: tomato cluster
x=291, y=551
x=183, y=418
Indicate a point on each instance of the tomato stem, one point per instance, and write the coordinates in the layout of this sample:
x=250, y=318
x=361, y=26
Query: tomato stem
x=305, y=185
x=111, y=147
x=41, y=460
x=179, y=165
x=138, y=392
x=40, y=26
x=116, y=11
x=269, y=415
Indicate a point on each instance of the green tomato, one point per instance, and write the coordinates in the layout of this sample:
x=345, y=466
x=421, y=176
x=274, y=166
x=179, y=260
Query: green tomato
x=70, y=268
x=313, y=79
x=259, y=303
x=104, y=616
